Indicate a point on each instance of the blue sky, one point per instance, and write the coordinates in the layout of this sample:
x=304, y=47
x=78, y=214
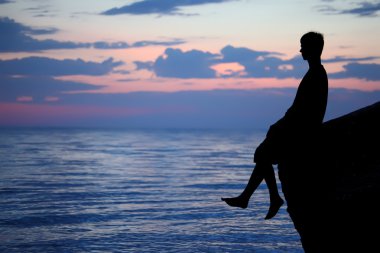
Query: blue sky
x=197, y=63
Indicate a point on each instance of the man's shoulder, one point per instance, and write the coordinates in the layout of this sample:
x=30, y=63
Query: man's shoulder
x=319, y=71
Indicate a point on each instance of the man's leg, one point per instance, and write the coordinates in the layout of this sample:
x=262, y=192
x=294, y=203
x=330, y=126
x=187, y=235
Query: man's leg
x=275, y=200
x=263, y=170
x=242, y=200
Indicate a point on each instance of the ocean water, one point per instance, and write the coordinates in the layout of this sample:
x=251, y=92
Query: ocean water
x=112, y=190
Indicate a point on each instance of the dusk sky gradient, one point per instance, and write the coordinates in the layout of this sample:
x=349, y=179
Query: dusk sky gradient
x=178, y=63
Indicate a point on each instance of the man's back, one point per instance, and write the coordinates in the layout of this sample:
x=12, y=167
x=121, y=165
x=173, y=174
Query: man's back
x=309, y=106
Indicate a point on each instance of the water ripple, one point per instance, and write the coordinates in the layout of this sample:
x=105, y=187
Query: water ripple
x=78, y=190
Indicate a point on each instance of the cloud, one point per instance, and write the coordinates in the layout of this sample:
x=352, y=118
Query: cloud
x=363, y=9
x=42, y=66
x=19, y=39
x=262, y=63
x=24, y=99
x=198, y=64
x=190, y=64
x=42, y=11
x=326, y=9
x=32, y=79
x=5, y=1
x=37, y=88
x=162, y=7
x=256, y=64
x=140, y=65
x=143, y=43
x=9, y=27
x=113, y=45
x=146, y=43
x=351, y=59
x=370, y=72
x=242, y=54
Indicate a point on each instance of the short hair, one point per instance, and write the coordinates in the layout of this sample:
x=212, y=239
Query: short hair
x=314, y=42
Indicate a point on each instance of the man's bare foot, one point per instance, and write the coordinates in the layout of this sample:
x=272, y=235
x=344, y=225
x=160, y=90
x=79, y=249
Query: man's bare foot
x=274, y=207
x=236, y=202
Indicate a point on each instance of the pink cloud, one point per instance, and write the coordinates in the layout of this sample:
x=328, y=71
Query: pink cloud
x=114, y=83
x=229, y=69
x=51, y=99
x=24, y=99
x=356, y=84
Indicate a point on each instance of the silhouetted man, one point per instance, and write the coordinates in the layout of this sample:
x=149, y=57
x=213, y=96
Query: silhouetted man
x=286, y=141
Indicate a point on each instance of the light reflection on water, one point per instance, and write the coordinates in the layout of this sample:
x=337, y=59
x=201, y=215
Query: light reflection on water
x=78, y=190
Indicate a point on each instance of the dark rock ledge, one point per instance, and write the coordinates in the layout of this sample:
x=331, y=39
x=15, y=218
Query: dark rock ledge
x=333, y=191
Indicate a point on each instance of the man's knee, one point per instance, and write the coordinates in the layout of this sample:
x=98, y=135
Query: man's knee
x=262, y=154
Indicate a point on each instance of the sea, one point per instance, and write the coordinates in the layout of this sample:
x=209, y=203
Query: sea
x=133, y=190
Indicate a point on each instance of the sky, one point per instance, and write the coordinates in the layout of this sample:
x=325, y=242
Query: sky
x=179, y=63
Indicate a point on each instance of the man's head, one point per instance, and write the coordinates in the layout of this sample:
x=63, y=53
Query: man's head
x=311, y=45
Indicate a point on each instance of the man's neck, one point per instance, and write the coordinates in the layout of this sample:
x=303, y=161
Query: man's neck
x=314, y=63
